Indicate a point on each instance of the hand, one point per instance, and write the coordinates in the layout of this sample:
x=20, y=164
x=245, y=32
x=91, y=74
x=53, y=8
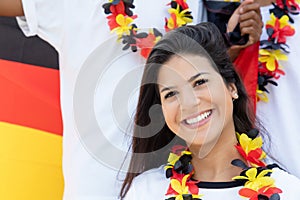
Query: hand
x=249, y=17
x=11, y=8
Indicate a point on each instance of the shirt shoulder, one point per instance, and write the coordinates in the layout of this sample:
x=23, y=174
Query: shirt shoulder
x=288, y=183
x=149, y=185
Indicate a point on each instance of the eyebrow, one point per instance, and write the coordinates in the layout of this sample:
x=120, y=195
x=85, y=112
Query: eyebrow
x=196, y=76
x=166, y=88
x=190, y=80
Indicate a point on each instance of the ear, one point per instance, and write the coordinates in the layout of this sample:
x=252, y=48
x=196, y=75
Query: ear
x=233, y=91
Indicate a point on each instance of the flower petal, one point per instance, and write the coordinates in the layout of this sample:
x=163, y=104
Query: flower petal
x=264, y=173
x=251, y=173
x=175, y=184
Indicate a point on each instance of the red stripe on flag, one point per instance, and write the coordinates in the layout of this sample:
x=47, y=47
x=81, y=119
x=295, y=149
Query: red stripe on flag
x=30, y=96
x=247, y=67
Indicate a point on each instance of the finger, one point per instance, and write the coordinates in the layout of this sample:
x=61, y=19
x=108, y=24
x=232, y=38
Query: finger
x=249, y=6
x=249, y=22
x=250, y=15
x=251, y=41
x=252, y=23
x=254, y=35
x=251, y=30
x=233, y=21
x=235, y=17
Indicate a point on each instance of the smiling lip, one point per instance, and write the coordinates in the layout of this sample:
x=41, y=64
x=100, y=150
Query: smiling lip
x=198, y=120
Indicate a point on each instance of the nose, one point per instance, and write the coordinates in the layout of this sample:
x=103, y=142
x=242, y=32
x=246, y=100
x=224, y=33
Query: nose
x=189, y=98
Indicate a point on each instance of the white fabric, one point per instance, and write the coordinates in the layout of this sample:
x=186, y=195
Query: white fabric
x=280, y=115
x=153, y=185
x=76, y=28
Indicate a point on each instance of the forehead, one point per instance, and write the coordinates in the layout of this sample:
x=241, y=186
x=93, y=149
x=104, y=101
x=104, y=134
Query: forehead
x=184, y=67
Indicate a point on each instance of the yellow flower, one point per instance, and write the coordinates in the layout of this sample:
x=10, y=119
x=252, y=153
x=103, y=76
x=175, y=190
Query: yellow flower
x=173, y=158
x=261, y=95
x=124, y=25
x=249, y=144
x=171, y=24
x=271, y=57
x=180, y=188
x=181, y=17
x=157, y=38
x=284, y=20
x=255, y=182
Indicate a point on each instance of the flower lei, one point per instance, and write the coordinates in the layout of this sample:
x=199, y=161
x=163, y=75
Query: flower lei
x=275, y=48
x=121, y=21
x=255, y=175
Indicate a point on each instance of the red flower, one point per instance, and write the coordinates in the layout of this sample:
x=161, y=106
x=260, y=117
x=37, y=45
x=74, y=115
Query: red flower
x=115, y=11
x=171, y=23
x=253, y=156
x=281, y=28
x=251, y=150
x=183, y=4
x=112, y=22
x=280, y=33
x=289, y=3
x=185, y=181
x=146, y=44
x=118, y=9
x=275, y=74
x=253, y=195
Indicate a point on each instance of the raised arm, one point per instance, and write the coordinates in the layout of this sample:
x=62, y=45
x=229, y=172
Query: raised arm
x=11, y=8
x=249, y=16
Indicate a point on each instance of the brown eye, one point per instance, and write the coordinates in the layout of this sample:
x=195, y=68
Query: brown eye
x=170, y=94
x=200, y=82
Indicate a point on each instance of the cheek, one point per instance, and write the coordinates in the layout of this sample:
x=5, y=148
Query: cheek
x=226, y=105
x=172, y=115
x=221, y=97
x=229, y=105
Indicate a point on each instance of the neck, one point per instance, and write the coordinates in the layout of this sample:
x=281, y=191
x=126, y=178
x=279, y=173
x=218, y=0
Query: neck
x=216, y=165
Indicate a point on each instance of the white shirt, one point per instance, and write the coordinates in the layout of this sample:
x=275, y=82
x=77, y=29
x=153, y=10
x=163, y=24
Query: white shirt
x=153, y=184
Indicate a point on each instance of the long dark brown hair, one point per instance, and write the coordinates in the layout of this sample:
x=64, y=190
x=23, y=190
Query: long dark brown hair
x=152, y=138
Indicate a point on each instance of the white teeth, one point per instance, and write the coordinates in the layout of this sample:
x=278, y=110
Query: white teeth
x=198, y=118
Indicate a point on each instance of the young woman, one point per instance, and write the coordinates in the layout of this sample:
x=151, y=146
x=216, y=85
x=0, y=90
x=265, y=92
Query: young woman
x=191, y=95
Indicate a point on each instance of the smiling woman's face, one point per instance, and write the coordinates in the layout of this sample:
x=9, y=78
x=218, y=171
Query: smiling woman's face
x=196, y=103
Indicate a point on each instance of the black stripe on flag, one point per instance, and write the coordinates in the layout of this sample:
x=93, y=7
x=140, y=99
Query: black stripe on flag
x=14, y=46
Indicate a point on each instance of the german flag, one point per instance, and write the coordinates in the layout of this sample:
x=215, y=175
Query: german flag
x=30, y=117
